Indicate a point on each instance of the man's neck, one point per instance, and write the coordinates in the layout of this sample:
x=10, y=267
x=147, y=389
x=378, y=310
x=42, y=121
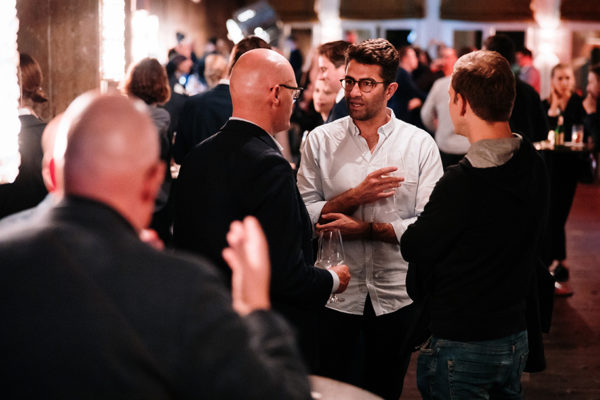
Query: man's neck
x=481, y=130
x=254, y=120
x=368, y=128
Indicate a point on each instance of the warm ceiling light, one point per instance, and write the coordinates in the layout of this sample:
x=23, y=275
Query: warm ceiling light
x=9, y=101
x=112, y=56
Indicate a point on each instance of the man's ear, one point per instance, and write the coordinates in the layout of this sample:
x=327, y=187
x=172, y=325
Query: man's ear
x=49, y=174
x=390, y=90
x=462, y=103
x=152, y=181
x=275, y=93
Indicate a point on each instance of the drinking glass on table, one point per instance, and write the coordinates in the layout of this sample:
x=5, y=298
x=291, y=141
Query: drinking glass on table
x=330, y=253
x=577, y=134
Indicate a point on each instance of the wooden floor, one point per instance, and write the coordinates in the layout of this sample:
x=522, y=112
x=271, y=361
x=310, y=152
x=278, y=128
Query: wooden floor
x=573, y=344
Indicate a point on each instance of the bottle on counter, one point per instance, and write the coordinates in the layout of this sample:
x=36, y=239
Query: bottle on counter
x=559, y=132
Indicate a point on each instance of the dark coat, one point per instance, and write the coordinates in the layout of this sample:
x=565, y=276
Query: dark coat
x=339, y=110
x=239, y=172
x=202, y=116
x=406, y=91
x=476, y=272
x=528, y=117
x=93, y=312
x=28, y=189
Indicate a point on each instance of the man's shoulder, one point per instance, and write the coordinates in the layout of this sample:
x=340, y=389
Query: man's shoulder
x=237, y=143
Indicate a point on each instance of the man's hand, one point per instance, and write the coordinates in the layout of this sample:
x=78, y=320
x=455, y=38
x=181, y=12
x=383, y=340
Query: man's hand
x=350, y=228
x=343, y=273
x=377, y=186
x=413, y=103
x=149, y=236
x=248, y=258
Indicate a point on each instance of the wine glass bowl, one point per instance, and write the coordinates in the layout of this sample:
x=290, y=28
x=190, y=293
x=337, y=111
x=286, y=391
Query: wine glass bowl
x=330, y=253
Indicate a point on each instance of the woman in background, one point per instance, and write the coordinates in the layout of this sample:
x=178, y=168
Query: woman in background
x=563, y=107
x=28, y=189
x=147, y=80
x=323, y=99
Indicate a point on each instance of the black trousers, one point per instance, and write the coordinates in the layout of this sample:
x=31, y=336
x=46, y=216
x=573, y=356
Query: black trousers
x=366, y=350
x=563, y=173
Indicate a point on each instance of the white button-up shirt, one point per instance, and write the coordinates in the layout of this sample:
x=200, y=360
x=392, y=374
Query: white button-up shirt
x=336, y=158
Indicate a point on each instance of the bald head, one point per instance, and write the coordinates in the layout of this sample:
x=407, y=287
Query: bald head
x=111, y=154
x=256, y=91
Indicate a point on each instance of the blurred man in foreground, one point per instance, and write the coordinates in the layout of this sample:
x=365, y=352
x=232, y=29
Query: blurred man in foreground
x=93, y=312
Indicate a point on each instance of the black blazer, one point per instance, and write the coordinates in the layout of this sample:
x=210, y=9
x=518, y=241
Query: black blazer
x=202, y=116
x=239, y=172
x=89, y=311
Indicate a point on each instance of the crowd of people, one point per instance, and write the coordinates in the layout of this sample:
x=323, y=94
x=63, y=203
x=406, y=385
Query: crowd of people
x=159, y=241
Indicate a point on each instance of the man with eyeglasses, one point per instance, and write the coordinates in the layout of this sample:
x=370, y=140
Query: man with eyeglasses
x=240, y=171
x=369, y=175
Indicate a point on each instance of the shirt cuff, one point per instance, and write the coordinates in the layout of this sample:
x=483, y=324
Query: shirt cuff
x=336, y=281
x=401, y=225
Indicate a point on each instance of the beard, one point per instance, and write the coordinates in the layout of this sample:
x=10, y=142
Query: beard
x=361, y=109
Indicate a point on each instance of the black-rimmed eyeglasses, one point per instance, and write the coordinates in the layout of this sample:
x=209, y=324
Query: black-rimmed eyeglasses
x=364, y=85
x=296, y=91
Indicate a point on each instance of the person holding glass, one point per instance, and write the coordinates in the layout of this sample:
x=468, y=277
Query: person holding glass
x=240, y=171
x=565, y=112
x=347, y=181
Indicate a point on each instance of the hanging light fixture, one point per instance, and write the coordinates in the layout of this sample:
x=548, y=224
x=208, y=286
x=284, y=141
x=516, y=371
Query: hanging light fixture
x=9, y=100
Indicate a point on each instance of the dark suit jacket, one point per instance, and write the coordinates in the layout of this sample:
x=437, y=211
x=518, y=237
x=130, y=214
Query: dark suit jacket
x=406, y=91
x=239, y=172
x=89, y=311
x=528, y=117
x=28, y=189
x=202, y=116
x=339, y=110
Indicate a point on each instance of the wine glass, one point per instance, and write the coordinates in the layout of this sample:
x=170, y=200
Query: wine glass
x=330, y=253
x=392, y=203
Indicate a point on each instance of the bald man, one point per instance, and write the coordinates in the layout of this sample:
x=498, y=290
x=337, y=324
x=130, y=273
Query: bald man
x=240, y=171
x=89, y=311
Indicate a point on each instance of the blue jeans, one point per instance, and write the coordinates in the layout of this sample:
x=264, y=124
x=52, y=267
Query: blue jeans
x=448, y=369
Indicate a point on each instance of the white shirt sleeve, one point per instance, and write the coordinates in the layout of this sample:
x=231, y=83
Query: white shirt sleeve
x=309, y=179
x=430, y=171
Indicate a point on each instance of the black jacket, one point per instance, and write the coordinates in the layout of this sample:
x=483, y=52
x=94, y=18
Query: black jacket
x=528, y=116
x=239, y=172
x=202, y=116
x=474, y=249
x=88, y=311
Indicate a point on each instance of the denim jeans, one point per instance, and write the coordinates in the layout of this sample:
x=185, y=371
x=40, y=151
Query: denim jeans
x=488, y=369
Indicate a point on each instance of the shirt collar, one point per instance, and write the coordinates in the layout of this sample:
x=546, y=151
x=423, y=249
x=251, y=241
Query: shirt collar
x=490, y=153
x=25, y=111
x=268, y=134
x=385, y=129
x=340, y=95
